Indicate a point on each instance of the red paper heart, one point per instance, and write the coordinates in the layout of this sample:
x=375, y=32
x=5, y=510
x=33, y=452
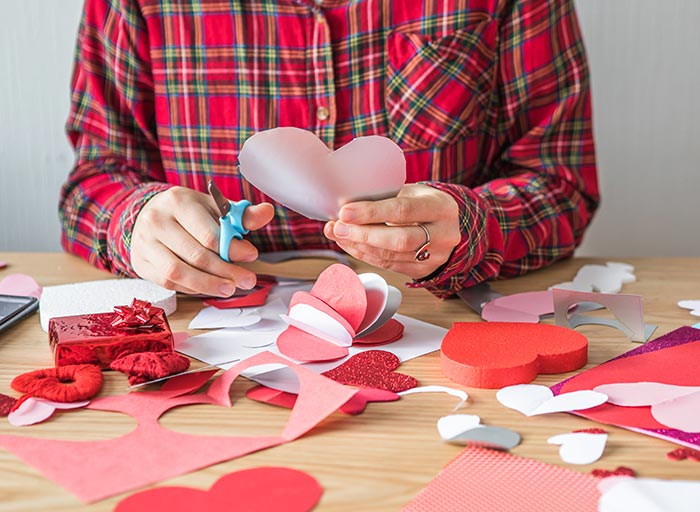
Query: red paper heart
x=354, y=406
x=262, y=489
x=372, y=369
x=499, y=354
x=144, y=366
x=340, y=288
x=387, y=333
x=6, y=404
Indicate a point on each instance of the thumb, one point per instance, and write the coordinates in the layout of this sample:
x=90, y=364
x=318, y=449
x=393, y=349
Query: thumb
x=256, y=216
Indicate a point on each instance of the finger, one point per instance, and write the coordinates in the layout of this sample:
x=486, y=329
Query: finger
x=394, y=238
x=175, y=274
x=258, y=215
x=242, y=250
x=397, y=210
x=196, y=219
x=411, y=268
x=386, y=255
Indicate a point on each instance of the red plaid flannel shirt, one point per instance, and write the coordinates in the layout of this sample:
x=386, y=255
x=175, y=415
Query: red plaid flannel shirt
x=489, y=99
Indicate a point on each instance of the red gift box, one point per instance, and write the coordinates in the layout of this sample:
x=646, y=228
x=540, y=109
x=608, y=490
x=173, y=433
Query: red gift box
x=100, y=338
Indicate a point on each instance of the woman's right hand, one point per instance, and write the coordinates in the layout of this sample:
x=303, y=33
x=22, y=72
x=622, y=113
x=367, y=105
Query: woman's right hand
x=175, y=243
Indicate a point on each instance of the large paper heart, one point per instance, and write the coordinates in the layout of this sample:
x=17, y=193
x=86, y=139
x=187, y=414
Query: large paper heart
x=580, y=447
x=674, y=406
x=262, y=489
x=372, y=369
x=340, y=308
x=495, y=354
x=678, y=365
x=532, y=399
x=296, y=169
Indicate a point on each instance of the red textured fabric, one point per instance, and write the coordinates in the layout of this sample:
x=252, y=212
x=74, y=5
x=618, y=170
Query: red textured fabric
x=145, y=366
x=70, y=383
x=6, y=404
x=487, y=480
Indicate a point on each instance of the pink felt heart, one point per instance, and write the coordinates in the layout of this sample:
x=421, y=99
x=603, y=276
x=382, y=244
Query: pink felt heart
x=295, y=168
x=262, y=489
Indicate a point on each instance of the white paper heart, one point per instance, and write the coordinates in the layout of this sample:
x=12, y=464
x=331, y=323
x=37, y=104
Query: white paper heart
x=383, y=300
x=318, y=323
x=215, y=318
x=532, y=399
x=648, y=495
x=580, y=447
x=465, y=429
x=462, y=395
x=692, y=305
x=451, y=426
x=296, y=169
x=599, y=278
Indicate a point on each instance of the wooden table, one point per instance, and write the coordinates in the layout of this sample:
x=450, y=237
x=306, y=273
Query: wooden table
x=375, y=461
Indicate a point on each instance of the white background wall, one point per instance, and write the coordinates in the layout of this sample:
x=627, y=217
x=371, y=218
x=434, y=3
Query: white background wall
x=645, y=62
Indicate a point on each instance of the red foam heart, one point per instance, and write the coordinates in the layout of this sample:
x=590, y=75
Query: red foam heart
x=372, y=369
x=262, y=489
x=387, y=333
x=354, y=406
x=340, y=288
x=499, y=354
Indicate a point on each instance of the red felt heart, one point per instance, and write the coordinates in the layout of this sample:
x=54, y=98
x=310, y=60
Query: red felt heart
x=499, y=354
x=354, y=406
x=372, y=369
x=145, y=366
x=262, y=489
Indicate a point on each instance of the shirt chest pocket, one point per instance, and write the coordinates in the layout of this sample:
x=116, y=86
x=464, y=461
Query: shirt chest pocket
x=437, y=89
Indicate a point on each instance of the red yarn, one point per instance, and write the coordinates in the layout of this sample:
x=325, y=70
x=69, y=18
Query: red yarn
x=70, y=383
x=145, y=366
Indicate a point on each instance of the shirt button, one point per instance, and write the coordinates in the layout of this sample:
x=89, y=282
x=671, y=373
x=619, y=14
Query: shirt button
x=320, y=18
x=323, y=113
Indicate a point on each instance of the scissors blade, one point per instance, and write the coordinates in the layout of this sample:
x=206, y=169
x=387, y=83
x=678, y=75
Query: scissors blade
x=221, y=202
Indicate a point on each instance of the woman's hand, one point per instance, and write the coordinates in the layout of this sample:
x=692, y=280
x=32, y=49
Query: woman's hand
x=387, y=234
x=175, y=243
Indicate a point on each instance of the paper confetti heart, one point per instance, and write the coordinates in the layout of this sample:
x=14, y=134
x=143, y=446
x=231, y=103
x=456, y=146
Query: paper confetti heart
x=315, y=181
x=498, y=354
x=372, y=369
x=580, y=447
x=618, y=471
x=532, y=399
x=683, y=454
x=466, y=429
x=692, y=305
x=255, y=490
x=340, y=307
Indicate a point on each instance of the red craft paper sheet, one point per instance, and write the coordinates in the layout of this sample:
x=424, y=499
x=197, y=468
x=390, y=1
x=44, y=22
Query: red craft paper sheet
x=489, y=480
x=259, y=489
x=93, y=470
x=679, y=365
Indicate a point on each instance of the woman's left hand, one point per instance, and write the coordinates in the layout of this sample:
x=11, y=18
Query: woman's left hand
x=387, y=233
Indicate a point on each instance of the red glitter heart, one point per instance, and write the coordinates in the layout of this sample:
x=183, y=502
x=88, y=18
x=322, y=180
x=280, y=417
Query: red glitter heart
x=683, y=454
x=6, y=404
x=619, y=471
x=145, y=366
x=372, y=369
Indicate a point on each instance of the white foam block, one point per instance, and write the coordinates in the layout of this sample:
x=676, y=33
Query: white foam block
x=101, y=297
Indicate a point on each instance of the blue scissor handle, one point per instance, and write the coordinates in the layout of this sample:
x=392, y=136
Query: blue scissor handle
x=232, y=227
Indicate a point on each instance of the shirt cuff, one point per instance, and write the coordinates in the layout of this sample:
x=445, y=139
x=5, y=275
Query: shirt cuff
x=121, y=226
x=476, y=257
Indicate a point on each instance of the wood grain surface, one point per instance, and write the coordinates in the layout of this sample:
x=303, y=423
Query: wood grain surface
x=375, y=461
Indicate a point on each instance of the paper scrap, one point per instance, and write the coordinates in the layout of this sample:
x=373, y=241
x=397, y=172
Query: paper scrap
x=533, y=399
x=692, y=305
x=316, y=181
x=21, y=285
x=627, y=309
x=466, y=429
x=215, y=318
x=462, y=395
x=261, y=488
x=520, y=307
x=623, y=494
x=580, y=447
x=607, y=278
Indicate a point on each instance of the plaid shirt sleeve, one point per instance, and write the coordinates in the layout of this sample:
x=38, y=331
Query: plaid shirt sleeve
x=118, y=167
x=542, y=189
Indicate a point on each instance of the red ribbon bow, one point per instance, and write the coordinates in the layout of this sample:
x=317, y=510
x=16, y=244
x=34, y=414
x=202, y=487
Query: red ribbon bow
x=141, y=313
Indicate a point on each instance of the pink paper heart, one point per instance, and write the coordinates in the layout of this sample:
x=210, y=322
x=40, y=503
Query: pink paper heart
x=35, y=410
x=20, y=284
x=295, y=168
x=520, y=307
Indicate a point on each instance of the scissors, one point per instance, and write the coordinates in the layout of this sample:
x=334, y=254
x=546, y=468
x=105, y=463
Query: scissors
x=230, y=220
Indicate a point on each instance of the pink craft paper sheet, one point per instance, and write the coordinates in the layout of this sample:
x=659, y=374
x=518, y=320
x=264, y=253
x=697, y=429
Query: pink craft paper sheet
x=94, y=470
